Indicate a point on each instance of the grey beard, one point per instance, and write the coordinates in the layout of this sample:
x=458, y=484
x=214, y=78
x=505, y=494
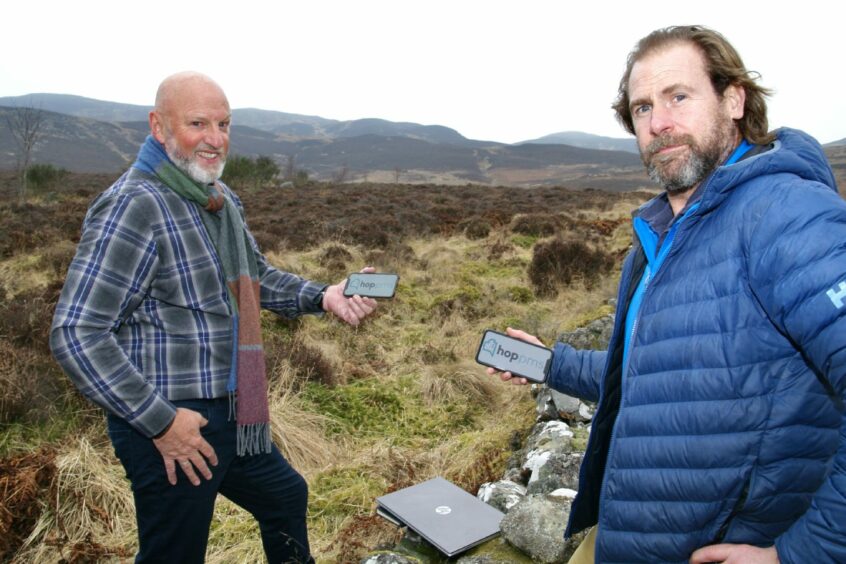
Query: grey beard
x=191, y=168
x=692, y=172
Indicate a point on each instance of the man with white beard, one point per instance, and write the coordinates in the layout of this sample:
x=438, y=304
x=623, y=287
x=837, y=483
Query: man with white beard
x=158, y=323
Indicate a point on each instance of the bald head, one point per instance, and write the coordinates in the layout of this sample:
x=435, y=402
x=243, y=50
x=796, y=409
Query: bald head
x=191, y=119
x=189, y=85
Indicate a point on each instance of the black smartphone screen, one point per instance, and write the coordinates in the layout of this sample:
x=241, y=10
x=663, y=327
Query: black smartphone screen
x=371, y=285
x=508, y=354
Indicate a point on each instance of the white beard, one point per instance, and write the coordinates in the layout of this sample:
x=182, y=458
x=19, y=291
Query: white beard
x=191, y=167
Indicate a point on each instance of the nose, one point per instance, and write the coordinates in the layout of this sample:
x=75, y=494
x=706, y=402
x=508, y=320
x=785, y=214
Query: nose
x=660, y=119
x=215, y=136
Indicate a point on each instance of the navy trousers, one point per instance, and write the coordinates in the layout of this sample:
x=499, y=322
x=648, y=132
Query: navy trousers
x=173, y=521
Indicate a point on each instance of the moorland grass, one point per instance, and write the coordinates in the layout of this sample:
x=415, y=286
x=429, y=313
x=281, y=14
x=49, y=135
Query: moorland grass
x=359, y=411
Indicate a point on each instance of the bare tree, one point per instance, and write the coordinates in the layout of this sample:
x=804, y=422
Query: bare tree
x=25, y=124
x=290, y=167
x=341, y=175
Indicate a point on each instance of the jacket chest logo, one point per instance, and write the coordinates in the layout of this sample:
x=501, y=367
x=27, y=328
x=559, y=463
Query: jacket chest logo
x=837, y=297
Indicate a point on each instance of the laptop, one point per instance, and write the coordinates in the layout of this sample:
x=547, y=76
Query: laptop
x=451, y=519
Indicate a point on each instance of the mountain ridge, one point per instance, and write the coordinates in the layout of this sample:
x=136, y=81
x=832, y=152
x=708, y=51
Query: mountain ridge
x=88, y=135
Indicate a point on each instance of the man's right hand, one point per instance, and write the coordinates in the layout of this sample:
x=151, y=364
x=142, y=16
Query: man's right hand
x=183, y=445
x=522, y=335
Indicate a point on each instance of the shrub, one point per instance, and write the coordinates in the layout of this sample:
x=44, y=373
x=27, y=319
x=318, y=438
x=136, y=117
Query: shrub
x=334, y=259
x=25, y=319
x=393, y=257
x=25, y=482
x=32, y=387
x=557, y=263
x=475, y=228
x=536, y=224
x=243, y=172
x=58, y=257
x=464, y=300
x=309, y=364
x=44, y=177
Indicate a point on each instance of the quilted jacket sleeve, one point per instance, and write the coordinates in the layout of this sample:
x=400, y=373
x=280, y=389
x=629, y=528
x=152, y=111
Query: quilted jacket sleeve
x=576, y=372
x=797, y=269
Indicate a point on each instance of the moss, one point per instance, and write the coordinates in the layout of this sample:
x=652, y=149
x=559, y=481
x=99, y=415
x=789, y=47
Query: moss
x=585, y=319
x=464, y=299
x=520, y=294
x=499, y=551
x=524, y=241
x=580, y=438
x=341, y=492
x=375, y=408
x=474, y=270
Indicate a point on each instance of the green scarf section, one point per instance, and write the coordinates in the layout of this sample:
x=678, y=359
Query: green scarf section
x=247, y=383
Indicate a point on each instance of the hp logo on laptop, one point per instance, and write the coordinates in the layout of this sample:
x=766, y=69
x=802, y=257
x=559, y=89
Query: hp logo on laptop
x=443, y=510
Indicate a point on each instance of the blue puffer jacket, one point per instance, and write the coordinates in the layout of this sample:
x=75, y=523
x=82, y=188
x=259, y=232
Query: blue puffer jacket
x=728, y=423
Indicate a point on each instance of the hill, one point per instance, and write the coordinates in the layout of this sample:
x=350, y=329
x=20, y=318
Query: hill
x=587, y=141
x=86, y=135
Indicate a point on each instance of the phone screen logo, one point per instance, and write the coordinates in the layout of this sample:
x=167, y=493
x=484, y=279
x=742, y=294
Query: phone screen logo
x=494, y=348
x=490, y=346
x=357, y=284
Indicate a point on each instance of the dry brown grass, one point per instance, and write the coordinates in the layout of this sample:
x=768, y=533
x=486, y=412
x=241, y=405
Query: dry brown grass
x=440, y=414
x=91, y=515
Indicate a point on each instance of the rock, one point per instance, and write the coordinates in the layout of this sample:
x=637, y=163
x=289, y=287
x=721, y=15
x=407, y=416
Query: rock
x=550, y=435
x=564, y=493
x=503, y=495
x=545, y=406
x=586, y=412
x=495, y=551
x=558, y=470
x=388, y=558
x=536, y=527
x=571, y=409
x=594, y=336
x=535, y=460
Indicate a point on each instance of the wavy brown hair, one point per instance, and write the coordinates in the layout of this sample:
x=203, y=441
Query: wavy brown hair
x=724, y=67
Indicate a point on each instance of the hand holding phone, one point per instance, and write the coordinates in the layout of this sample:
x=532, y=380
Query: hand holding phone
x=371, y=285
x=520, y=358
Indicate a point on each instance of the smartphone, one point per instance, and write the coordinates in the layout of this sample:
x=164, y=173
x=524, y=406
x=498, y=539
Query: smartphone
x=508, y=354
x=371, y=285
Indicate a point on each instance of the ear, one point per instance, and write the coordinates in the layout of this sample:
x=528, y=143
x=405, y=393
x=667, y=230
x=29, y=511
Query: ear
x=734, y=98
x=157, y=128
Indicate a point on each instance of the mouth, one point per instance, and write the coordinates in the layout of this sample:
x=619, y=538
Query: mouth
x=670, y=148
x=207, y=155
x=667, y=152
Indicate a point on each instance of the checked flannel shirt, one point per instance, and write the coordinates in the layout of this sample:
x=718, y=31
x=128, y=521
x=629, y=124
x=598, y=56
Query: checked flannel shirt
x=144, y=315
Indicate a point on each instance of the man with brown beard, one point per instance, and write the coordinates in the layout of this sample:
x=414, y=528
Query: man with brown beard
x=719, y=431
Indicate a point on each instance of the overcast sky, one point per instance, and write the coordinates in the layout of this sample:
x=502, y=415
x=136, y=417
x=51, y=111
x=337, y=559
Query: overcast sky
x=495, y=70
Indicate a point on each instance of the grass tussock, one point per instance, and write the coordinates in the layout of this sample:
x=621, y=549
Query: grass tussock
x=557, y=263
x=91, y=515
x=358, y=411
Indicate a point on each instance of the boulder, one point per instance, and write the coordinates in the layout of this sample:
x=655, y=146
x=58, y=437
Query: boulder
x=503, y=494
x=536, y=527
x=558, y=470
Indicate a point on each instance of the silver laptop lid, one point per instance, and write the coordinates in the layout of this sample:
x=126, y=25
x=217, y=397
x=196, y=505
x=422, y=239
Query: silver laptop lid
x=442, y=513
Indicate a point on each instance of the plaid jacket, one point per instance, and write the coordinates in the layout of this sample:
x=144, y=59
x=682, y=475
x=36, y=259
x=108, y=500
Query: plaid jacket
x=144, y=314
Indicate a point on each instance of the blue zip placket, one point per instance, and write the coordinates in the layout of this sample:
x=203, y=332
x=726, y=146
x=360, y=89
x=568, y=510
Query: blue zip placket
x=655, y=257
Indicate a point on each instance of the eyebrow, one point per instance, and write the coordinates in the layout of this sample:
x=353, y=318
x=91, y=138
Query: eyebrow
x=205, y=117
x=666, y=90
